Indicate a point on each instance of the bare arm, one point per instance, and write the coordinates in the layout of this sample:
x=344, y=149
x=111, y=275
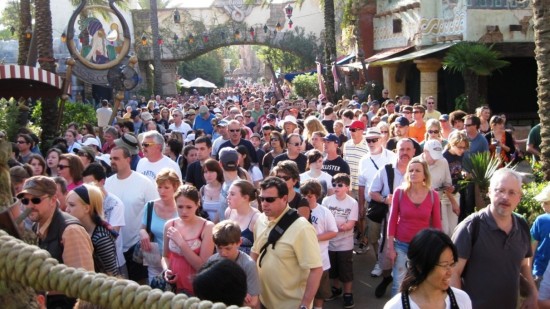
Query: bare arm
x=326, y=236
x=456, y=278
x=312, y=285
x=346, y=226
x=528, y=283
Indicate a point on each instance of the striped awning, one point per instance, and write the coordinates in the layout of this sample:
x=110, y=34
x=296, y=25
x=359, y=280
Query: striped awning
x=12, y=71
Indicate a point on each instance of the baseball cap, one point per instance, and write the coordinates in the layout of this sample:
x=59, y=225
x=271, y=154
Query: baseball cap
x=271, y=116
x=189, y=138
x=332, y=138
x=222, y=123
x=134, y=114
x=217, y=110
x=373, y=132
x=544, y=195
x=146, y=116
x=38, y=186
x=129, y=142
x=256, y=135
x=444, y=117
x=91, y=141
x=229, y=158
x=156, y=111
x=191, y=112
x=435, y=149
x=86, y=150
x=374, y=102
x=402, y=121
x=356, y=124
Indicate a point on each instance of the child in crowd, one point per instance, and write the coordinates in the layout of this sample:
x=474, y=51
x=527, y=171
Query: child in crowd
x=540, y=235
x=345, y=210
x=325, y=225
x=227, y=239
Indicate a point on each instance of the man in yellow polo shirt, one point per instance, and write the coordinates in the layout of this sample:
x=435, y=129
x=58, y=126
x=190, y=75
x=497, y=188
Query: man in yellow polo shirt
x=291, y=270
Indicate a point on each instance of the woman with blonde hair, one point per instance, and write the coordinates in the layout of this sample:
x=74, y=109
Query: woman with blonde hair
x=415, y=206
x=86, y=204
x=433, y=131
x=155, y=216
x=484, y=115
x=384, y=128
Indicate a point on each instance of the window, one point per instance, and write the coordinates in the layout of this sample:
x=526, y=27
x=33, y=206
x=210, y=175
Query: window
x=397, y=26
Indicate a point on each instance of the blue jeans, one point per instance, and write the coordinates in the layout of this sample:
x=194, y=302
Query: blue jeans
x=400, y=265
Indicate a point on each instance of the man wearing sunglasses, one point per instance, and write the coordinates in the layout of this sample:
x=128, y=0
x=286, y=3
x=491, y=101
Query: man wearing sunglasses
x=369, y=165
x=235, y=139
x=154, y=160
x=291, y=270
x=58, y=232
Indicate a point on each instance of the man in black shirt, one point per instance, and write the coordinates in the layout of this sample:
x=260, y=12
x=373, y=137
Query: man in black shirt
x=333, y=163
x=293, y=142
x=195, y=174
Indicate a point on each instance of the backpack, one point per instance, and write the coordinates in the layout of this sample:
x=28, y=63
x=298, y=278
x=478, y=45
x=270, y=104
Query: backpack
x=278, y=230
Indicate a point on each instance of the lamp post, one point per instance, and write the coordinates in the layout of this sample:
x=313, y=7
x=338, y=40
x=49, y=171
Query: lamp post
x=144, y=40
x=278, y=26
x=28, y=33
x=63, y=37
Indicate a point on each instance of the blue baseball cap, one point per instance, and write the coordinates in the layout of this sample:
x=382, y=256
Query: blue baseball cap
x=332, y=138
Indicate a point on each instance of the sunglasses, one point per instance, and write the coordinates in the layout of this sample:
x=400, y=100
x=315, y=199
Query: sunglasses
x=269, y=199
x=406, y=112
x=274, y=139
x=294, y=144
x=354, y=130
x=384, y=132
x=147, y=144
x=417, y=112
x=61, y=167
x=339, y=184
x=21, y=142
x=286, y=178
x=372, y=141
x=433, y=131
x=235, y=130
x=469, y=124
x=34, y=200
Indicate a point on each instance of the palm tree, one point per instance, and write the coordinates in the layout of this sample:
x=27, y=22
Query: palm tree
x=330, y=46
x=473, y=60
x=541, y=27
x=157, y=63
x=24, y=24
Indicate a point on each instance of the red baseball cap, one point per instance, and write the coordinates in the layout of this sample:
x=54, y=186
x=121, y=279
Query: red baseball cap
x=357, y=125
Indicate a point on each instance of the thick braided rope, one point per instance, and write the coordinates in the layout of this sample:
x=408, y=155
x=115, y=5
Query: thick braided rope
x=34, y=267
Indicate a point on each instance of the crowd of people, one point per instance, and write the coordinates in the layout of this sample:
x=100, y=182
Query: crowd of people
x=271, y=199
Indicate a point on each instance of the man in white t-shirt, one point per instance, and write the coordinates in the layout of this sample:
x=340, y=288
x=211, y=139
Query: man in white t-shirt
x=103, y=114
x=179, y=125
x=113, y=209
x=154, y=160
x=134, y=190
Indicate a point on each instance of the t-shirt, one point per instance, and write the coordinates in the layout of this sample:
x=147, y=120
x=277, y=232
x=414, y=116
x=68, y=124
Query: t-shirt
x=134, y=192
x=417, y=133
x=195, y=175
x=103, y=115
x=534, y=137
x=540, y=231
x=216, y=145
x=204, y=124
x=370, y=165
x=323, y=177
x=455, y=167
x=243, y=142
x=113, y=209
x=183, y=128
x=352, y=155
x=333, y=167
x=301, y=161
x=343, y=211
x=151, y=170
x=432, y=115
x=249, y=267
x=462, y=299
x=323, y=221
x=329, y=125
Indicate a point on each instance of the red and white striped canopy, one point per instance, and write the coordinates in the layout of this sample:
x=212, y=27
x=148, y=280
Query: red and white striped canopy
x=12, y=71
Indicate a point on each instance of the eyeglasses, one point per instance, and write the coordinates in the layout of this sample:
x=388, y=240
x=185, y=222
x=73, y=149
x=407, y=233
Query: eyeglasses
x=354, y=130
x=433, y=131
x=447, y=266
x=21, y=142
x=417, y=112
x=338, y=184
x=469, y=124
x=430, y=103
x=147, y=144
x=246, y=116
x=269, y=199
x=372, y=140
x=62, y=167
x=82, y=154
x=294, y=144
x=274, y=139
x=286, y=178
x=34, y=200
x=406, y=112
x=235, y=130
x=384, y=132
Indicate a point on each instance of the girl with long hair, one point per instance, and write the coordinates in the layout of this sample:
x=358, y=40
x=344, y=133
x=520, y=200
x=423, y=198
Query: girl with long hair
x=239, y=198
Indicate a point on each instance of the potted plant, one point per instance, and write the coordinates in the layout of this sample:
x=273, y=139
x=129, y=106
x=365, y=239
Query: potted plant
x=480, y=168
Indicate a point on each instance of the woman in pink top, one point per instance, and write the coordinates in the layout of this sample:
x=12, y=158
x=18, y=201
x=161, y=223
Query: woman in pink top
x=415, y=206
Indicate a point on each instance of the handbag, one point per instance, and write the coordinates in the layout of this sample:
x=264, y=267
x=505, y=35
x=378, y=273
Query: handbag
x=377, y=211
x=137, y=254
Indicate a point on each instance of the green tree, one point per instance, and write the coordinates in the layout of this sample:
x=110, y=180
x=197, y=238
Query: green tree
x=10, y=18
x=473, y=60
x=157, y=63
x=305, y=85
x=541, y=18
x=208, y=66
x=25, y=22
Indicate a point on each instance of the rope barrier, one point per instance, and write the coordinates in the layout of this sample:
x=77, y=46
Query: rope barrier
x=35, y=268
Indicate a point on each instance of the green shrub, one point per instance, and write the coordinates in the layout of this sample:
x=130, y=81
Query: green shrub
x=528, y=207
x=73, y=112
x=9, y=113
x=306, y=85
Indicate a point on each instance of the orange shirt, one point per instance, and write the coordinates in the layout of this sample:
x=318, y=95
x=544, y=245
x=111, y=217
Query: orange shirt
x=418, y=133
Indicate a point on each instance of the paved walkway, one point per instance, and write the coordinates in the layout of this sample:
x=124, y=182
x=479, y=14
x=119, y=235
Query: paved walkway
x=363, y=285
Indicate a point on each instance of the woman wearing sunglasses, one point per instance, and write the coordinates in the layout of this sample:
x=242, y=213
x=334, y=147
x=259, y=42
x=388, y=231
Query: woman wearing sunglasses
x=86, y=204
x=70, y=168
x=188, y=240
x=278, y=145
x=433, y=131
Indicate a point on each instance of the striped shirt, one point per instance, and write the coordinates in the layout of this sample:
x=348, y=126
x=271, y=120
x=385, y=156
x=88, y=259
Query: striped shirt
x=104, y=251
x=353, y=153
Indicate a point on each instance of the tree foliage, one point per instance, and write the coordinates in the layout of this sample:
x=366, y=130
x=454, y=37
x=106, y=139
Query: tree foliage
x=475, y=57
x=208, y=66
x=9, y=18
x=73, y=112
x=305, y=85
x=281, y=60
